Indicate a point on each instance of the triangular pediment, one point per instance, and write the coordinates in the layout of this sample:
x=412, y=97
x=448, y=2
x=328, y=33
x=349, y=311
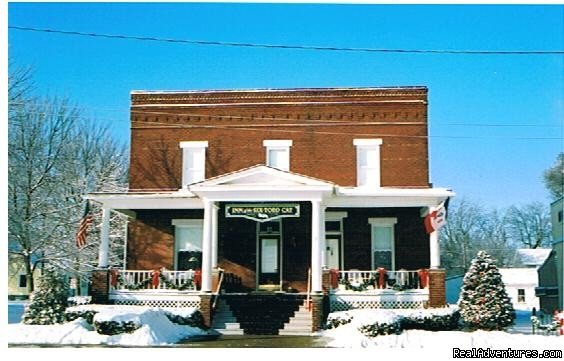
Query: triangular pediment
x=262, y=175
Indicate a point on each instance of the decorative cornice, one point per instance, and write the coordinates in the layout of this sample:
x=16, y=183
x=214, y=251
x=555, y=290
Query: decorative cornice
x=282, y=95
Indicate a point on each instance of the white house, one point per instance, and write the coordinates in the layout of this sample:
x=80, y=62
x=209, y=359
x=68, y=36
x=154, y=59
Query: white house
x=521, y=278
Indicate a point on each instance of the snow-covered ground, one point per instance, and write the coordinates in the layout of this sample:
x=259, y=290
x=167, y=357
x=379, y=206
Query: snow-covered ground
x=156, y=329
x=348, y=336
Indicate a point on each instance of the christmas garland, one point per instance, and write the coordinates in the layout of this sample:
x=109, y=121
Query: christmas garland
x=357, y=286
x=156, y=278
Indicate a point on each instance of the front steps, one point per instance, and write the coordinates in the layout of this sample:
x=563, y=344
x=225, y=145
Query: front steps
x=262, y=314
x=223, y=320
x=300, y=324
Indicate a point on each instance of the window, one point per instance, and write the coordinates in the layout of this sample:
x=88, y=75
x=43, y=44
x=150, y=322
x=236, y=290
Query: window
x=560, y=216
x=521, y=295
x=368, y=162
x=382, y=234
x=22, y=281
x=193, y=162
x=278, y=153
x=188, y=243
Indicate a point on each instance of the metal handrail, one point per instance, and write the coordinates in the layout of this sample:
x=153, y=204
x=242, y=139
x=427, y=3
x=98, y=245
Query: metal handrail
x=219, y=284
x=308, y=300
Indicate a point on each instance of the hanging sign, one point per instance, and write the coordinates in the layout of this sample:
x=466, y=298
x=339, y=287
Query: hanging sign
x=262, y=212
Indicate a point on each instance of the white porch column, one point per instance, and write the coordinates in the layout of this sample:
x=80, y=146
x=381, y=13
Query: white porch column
x=104, y=238
x=435, y=261
x=317, y=242
x=215, y=208
x=207, y=247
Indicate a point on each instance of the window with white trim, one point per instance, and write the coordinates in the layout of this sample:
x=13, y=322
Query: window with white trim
x=367, y=162
x=382, y=242
x=193, y=162
x=521, y=295
x=188, y=243
x=278, y=153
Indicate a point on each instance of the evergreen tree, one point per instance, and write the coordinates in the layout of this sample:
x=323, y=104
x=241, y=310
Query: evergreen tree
x=484, y=303
x=49, y=300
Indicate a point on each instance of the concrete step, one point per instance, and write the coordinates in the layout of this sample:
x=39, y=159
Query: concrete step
x=227, y=325
x=298, y=323
x=230, y=332
x=295, y=333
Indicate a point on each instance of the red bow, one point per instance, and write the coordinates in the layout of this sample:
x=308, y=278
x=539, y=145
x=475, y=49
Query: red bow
x=156, y=278
x=423, y=277
x=381, y=277
x=334, y=278
x=114, y=273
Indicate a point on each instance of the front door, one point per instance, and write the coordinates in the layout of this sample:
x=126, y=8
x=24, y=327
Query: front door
x=269, y=260
x=332, y=254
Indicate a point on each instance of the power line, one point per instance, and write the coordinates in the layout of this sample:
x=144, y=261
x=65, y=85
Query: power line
x=291, y=47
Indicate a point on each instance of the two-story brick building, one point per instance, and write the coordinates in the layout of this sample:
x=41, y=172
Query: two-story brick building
x=266, y=191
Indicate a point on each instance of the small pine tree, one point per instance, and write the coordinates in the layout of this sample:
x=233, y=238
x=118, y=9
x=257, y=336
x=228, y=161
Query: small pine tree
x=48, y=301
x=484, y=303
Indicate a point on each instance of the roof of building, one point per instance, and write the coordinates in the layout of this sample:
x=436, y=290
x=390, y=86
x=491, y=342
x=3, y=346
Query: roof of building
x=530, y=257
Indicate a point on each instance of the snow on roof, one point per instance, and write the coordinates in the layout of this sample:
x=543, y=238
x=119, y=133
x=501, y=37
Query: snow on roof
x=519, y=276
x=531, y=257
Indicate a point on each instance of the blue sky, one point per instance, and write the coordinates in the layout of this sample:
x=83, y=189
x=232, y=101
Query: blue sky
x=496, y=121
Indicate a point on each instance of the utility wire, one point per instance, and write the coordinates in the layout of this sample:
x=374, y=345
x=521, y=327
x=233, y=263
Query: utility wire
x=291, y=47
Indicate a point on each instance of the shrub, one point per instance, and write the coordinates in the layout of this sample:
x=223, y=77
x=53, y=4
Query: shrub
x=195, y=319
x=88, y=315
x=115, y=327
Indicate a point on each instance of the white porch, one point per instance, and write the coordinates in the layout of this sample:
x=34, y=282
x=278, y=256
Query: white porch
x=262, y=184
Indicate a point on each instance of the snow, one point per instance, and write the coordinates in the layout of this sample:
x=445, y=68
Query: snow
x=532, y=257
x=519, y=276
x=348, y=336
x=156, y=329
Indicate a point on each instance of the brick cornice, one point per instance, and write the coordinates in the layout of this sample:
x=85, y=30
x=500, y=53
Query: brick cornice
x=281, y=95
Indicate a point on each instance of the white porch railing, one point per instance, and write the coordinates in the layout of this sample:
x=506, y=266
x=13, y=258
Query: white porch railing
x=134, y=280
x=382, y=279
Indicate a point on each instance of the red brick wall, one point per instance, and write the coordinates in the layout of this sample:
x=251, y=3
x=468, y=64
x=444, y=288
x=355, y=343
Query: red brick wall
x=157, y=131
x=150, y=241
x=411, y=241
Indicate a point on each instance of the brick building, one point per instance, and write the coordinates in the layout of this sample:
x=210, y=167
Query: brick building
x=313, y=193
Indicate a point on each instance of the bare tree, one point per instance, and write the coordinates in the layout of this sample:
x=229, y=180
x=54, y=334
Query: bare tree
x=54, y=158
x=554, y=177
x=37, y=135
x=469, y=229
x=460, y=236
x=529, y=225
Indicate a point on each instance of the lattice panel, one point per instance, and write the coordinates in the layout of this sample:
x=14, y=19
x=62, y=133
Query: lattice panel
x=352, y=305
x=160, y=303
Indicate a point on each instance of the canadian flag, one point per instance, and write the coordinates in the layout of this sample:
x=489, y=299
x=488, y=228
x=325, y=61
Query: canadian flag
x=436, y=219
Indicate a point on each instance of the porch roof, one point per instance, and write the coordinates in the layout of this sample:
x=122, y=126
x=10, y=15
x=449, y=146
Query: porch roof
x=261, y=183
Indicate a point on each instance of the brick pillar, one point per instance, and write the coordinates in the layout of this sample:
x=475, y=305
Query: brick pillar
x=100, y=287
x=437, y=294
x=317, y=312
x=206, y=308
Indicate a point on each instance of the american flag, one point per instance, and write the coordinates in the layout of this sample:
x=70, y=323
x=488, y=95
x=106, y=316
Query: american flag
x=83, y=227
